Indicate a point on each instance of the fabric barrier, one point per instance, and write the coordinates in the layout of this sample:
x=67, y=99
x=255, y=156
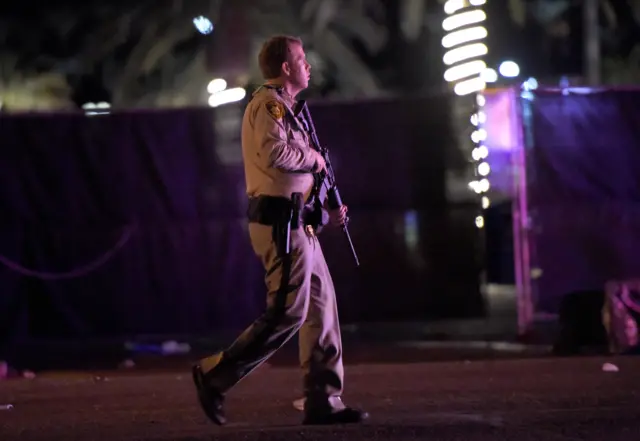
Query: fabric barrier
x=133, y=223
x=583, y=186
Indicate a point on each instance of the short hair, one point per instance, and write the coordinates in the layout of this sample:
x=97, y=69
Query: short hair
x=274, y=52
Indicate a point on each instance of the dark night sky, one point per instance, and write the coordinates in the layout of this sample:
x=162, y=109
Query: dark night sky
x=409, y=66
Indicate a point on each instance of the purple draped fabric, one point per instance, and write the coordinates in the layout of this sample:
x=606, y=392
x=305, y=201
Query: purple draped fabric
x=583, y=157
x=133, y=223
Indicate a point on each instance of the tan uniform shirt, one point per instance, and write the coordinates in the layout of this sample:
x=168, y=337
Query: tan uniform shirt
x=277, y=157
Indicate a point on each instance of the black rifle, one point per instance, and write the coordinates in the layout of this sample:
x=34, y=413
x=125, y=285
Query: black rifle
x=328, y=187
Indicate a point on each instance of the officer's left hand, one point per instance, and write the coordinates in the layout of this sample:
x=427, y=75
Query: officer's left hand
x=338, y=217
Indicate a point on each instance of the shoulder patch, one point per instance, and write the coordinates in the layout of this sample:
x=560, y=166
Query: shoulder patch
x=275, y=108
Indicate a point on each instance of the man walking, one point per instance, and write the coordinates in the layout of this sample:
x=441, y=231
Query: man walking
x=280, y=164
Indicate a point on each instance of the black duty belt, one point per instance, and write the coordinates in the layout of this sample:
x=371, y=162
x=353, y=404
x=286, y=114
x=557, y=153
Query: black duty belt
x=274, y=210
x=268, y=210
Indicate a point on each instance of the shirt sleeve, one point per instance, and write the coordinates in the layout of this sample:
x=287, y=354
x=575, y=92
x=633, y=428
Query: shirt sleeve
x=273, y=143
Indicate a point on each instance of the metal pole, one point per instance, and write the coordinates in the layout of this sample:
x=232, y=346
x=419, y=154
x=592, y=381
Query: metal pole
x=591, y=38
x=521, y=224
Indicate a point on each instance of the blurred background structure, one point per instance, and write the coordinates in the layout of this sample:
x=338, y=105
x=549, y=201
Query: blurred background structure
x=164, y=53
x=123, y=198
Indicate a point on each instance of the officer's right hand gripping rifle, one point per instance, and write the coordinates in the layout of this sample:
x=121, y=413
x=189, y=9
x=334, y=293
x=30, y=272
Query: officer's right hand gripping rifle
x=328, y=187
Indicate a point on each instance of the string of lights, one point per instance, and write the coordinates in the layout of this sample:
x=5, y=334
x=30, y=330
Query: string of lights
x=464, y=44
x=479, y=156
x=466, y=70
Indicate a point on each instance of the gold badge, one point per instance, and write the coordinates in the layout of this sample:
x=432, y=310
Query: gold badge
x=276, y=109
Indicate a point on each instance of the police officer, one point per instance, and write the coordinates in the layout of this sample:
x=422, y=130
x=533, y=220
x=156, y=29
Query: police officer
x=279, y=163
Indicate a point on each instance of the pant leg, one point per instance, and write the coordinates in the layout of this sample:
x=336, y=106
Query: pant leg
x=320, y=342
x=285, y=313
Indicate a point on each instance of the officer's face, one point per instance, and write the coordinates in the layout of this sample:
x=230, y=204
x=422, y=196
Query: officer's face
x=299, y=70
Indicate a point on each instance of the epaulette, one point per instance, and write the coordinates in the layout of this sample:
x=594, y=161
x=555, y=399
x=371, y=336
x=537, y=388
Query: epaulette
x=278, y=89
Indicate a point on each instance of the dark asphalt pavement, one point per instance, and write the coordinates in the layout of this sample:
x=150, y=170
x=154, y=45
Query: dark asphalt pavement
x=502, y=399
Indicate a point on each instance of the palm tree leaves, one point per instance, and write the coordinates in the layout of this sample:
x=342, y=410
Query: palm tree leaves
x=22, y=89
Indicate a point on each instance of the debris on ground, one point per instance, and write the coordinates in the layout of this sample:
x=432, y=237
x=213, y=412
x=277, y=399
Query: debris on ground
x=610, y=367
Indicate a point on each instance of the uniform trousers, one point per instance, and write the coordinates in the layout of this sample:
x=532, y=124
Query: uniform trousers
x=307, y=303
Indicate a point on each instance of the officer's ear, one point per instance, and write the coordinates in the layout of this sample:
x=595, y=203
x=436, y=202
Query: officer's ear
x=286, y=69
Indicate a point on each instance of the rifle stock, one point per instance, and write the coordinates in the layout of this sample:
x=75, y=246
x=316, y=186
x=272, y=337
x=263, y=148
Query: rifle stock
x=328, y=177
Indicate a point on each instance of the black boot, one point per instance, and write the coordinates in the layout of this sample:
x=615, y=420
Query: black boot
x=318, y=408
x=211, y=399
x=348, y=415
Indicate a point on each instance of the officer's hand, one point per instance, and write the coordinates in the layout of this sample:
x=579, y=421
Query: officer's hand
x=338, y=217
x=321, y=165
